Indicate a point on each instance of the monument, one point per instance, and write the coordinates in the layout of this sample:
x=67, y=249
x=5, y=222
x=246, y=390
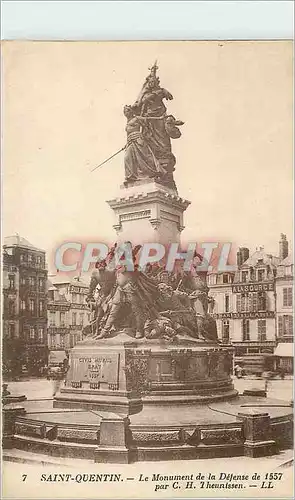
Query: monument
x=151, y=381
x=153, y=344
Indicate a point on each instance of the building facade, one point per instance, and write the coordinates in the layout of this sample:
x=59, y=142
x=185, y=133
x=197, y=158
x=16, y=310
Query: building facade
x=284, y=317
x=222, y=305
x=24, y=307
x=253, y=306
x=68, y=313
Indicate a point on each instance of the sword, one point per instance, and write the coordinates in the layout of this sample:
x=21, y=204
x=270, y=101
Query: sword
x=109, y=158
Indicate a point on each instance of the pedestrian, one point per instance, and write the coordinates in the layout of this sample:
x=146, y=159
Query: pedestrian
x=238, y=371
x=57, y=379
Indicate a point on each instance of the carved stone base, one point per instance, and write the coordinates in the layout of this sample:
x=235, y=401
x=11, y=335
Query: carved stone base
x=257, y=450
x=115, y=444
x=257, y=433
x=122, y=375
x=148, y=212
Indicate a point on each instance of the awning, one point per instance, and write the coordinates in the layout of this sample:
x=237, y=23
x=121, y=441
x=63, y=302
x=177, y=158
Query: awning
x=284, y=350
x=56, y=357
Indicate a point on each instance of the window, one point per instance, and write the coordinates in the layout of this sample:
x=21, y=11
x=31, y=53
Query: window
x=12, y=330
x=74, y=319
x=23, y=281
x=260, y=275
x=253, y=303
x=261, y=330
x=225, y=331
x=226, y=305
x=261, y=301
x=32, y=332
x=244, y=302
x=38, y=260
x=52, y=318
x=32, y=281
x=246, y=329
x=32, y=305
x=285, y=325
x=22, y=305
x=41, y=283
x=22, y=258
x=225, y=278
x=62, y=341
x=287, y=297
x=41, y=308
x=11, y=278
x=30, y=258
x=244, y=276
x=238, y=302
x=41, y=334
x=62, y=319
x=81, y=319
x=11, y=307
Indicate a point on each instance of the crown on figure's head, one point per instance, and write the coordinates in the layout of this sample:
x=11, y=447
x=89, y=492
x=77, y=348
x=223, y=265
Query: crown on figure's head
x=153, y=74
x=153, y=69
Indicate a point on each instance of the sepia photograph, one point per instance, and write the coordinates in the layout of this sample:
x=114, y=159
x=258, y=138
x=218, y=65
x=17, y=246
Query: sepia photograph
x=147, y=269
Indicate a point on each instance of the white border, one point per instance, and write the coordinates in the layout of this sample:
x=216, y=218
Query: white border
x=145, y=20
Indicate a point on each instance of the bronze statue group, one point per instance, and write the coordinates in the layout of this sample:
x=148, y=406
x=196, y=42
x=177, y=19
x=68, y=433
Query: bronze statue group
x=151, y=304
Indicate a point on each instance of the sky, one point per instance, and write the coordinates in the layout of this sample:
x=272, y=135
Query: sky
x=63, y=114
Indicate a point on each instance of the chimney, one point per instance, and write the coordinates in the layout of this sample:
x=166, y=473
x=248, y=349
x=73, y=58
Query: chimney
x=283, y=247
x=242, y=256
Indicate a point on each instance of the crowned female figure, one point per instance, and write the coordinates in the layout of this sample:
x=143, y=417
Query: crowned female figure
x=140, y=161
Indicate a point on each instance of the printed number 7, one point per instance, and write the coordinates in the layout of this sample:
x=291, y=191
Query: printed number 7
x=24, y=476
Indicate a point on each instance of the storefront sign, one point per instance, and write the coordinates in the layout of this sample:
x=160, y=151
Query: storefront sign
x=77, y=289
x=74, y=305
x=245, y=315
x=253, y=287
x=57, y=307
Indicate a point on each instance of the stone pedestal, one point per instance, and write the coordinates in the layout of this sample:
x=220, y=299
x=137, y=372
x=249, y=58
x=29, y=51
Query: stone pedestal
x=9, y=415
x=115, y=442
x=148, y=212
x=123, y=375
x=97, y=378
x=257, y=433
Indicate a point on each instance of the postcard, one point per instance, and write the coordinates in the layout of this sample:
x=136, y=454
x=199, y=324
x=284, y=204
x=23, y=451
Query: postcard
x=147, y=269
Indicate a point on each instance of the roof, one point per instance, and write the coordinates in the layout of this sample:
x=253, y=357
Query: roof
x=266, y=258
x=288, y=261
x=19, y=241
x=284, y=350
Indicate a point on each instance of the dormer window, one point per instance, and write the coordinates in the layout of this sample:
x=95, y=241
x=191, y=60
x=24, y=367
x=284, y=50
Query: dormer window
x=244, y=276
